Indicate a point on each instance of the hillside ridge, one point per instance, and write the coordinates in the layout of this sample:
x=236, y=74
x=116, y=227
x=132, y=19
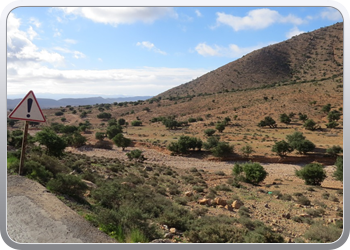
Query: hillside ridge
x=309, y=56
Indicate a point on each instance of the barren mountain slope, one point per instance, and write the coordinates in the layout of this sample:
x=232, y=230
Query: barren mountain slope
x=309, y=56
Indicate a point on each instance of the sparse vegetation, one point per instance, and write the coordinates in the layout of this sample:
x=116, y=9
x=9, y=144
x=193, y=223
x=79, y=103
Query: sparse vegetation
x=312, y=174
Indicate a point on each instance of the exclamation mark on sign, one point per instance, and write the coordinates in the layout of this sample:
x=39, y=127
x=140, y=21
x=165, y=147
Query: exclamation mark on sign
x=29, y=106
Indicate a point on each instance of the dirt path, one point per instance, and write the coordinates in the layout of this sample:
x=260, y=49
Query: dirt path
x=275, y=170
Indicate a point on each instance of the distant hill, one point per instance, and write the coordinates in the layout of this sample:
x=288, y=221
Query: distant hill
x=309, y=56
x=51, y=103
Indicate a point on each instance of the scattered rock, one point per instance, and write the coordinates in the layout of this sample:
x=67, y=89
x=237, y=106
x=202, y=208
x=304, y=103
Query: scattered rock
x=89, y=184
x=188, y=194
x=237, y=204
x=229, y=207
x=169, y=235
x=220, y=201
x=204, y=202
x=147, y=168
x=287, y=216
x=173, y=230
x=266, y=205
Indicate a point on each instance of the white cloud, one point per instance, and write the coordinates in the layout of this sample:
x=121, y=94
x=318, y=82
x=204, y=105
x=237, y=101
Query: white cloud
x=294, y=32
x=30, y=67
x=76, y=54
x=143, y=81
x=331, y=14
x=232, y=51
x=120, y=15
x=31, y=33
x=35, y=22
x=150, y=46
x=56, y=33
x=256, y=19
x=70, y=41
x=198, y=13
x=22, y=52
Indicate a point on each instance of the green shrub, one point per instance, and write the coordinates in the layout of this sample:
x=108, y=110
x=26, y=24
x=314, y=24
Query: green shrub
x=247, y=150
x=282, y=148
x=209, y=132
x=212, y=142
x=136, y=123
x=310, y=124
x=222, y=149
x=50, y=163
x=55, y=144
x=184, y=144
x=104, y=115
x=67, y=184
x=321, y=233
x=100, y=136
x=121, y=141
x=285, y=118
x=338, y=173
x=135, y=154
x=303, y=200
x=334, y=151
x=220, y=127
x=252, y=172
x=312, y=174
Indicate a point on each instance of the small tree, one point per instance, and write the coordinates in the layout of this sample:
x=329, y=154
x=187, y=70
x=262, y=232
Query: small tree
x=135, y=154
x=285, y=118
x=55, y=145
x=302, y=117
x=120, y=141
x=222, y=149
x=334, y=151
x=220, y=127
x=112, y=131
x=303, y=147
x=184, y=144
x=247, y=150
x=121, y=121
x=212, y=142
x=251, y=172
x=334, y=115
x=326, y=108
x=312, y=174
x=332, y=124
x=282, y=148
x=209, y=132
x=100, y=136
x=310, y=124
x=268, y=121
x=298, y=142
x=104, y=116
x=136, y=123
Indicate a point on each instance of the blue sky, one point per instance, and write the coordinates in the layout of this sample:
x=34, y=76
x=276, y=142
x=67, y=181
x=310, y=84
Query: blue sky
x=75, y=52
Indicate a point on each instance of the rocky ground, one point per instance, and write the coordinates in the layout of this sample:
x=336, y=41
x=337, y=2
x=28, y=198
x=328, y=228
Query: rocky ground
x=264, y=202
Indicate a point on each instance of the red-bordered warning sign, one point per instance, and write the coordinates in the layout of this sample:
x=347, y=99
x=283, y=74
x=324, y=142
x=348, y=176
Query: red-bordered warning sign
x=28, y=110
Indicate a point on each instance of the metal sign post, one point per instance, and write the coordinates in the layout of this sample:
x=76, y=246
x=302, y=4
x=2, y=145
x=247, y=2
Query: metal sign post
x=23, y=149
x=28, y=110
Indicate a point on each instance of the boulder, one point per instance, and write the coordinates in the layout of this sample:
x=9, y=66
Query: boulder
x=237, y=204
x=204, y=201
x=220, y=201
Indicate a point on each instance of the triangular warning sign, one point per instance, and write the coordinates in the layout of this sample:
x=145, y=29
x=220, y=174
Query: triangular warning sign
x=28, y=110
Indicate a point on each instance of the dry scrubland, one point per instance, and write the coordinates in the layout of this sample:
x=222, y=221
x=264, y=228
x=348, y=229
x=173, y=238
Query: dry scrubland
x=271, y=211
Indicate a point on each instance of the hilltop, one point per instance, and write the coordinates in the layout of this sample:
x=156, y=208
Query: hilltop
x=309, y=56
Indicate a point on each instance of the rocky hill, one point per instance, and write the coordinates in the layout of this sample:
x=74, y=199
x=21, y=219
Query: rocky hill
x=310, y=56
